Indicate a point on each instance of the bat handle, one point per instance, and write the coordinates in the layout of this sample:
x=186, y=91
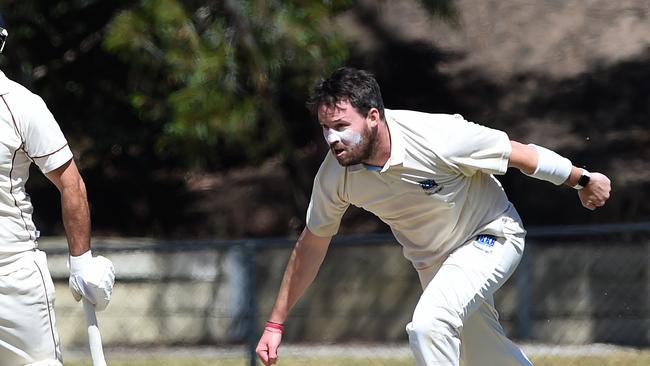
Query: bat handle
x=94, y=337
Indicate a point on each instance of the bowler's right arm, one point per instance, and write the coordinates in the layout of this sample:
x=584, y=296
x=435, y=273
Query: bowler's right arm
x=304, y=263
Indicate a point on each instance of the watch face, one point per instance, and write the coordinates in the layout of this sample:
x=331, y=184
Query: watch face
x=584, y=179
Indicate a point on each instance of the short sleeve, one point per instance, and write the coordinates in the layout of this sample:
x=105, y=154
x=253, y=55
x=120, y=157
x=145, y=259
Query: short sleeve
x=470, y=147
x=327, y=204
x=45, y=144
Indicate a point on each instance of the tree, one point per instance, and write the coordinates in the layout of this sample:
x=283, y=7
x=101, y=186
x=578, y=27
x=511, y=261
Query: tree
x=218, y=75
x=146, y=89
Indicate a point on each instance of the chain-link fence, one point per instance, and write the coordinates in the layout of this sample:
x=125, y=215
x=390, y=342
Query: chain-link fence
x=580, y=293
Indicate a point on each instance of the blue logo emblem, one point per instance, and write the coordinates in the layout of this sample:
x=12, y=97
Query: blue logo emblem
x=430, y=186
x=485, y=242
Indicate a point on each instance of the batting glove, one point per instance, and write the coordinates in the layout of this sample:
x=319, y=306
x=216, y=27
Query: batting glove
x=92, y=278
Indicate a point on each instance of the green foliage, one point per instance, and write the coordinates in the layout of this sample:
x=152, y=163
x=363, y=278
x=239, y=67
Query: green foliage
x=54, y=49
x=179, y=83
x=213, y=73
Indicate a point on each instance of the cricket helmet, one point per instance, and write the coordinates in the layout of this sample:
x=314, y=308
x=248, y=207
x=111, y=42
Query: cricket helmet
x=3, y=33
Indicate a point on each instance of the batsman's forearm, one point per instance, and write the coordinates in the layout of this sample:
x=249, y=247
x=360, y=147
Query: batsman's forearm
x=301, y=270
x=76, y=218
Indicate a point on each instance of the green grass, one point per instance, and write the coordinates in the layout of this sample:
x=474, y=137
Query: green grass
x=614, y=359
x=177, y=361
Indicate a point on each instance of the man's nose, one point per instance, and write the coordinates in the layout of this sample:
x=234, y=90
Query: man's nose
x=330, y=137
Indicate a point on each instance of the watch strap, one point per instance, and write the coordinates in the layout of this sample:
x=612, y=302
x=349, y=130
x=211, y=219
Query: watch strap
x=584, y=179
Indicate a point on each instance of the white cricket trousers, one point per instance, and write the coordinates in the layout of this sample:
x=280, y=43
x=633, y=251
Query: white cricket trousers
x=28, y=334
x=455, y=321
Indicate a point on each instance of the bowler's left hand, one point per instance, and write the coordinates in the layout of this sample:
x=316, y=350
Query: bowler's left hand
x=596, y=192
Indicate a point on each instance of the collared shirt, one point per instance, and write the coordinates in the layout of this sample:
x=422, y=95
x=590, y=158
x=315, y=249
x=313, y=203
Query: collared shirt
x=28, y=133
x=436, y=191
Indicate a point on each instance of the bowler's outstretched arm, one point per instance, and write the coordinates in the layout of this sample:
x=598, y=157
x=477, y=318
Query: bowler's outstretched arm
x=545, y=164
x=305, y=261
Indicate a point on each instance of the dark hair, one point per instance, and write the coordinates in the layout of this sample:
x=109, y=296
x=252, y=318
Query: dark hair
x=359, y=87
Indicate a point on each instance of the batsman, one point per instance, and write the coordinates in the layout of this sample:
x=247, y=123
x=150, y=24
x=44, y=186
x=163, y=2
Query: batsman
x=430, y=177
x=30, y=134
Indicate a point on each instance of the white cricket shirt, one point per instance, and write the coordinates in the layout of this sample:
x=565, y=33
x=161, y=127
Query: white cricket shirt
x=28, y=133
x=436, y=191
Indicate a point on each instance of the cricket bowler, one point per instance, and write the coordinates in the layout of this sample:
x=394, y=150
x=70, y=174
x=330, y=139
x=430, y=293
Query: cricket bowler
x=30, y=134
x=430, y=177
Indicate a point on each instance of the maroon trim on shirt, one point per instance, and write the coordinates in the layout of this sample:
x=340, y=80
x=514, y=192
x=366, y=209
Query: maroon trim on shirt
x=11, y=192
x=49, y=311
x=23, y=139
x=46, y=155
x=13, y=119
x=11, y=170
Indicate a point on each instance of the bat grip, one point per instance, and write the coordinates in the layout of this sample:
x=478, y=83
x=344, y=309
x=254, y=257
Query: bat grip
x=94, y=337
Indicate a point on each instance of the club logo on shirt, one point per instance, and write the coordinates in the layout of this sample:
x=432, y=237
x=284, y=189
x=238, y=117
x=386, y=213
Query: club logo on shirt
x=430, y=186
x=485, y=242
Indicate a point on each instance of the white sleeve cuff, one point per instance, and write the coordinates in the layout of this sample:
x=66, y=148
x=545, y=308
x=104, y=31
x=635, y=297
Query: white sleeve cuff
x=52, y=161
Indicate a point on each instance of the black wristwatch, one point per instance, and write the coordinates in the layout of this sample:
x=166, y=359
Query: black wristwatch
x=584, y=180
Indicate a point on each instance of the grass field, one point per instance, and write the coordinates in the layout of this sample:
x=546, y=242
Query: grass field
x=614, y=359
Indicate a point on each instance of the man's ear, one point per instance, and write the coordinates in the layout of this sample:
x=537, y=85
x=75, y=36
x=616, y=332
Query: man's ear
x=374, y=117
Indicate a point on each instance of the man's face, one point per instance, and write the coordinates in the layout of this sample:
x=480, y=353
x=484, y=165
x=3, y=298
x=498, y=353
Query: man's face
x=347, y=133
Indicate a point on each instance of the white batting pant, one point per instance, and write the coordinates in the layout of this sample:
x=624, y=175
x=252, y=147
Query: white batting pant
x=455, y=318
x=28, y=333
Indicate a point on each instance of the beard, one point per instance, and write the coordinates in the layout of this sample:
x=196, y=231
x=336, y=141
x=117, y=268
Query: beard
x=359, y=152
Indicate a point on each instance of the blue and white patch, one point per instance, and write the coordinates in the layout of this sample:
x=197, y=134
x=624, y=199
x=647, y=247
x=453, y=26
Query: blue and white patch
x=430, y=186
x=485, y=242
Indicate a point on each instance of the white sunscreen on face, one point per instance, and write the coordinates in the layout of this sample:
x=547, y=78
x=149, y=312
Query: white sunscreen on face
x=347, y=137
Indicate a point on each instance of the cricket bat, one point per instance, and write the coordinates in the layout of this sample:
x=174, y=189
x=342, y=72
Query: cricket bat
x=94, y=337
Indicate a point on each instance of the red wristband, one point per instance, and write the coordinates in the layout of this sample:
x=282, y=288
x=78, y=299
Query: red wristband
x=274, y=325
x=272, y=330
